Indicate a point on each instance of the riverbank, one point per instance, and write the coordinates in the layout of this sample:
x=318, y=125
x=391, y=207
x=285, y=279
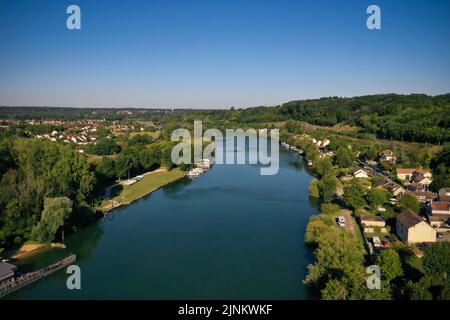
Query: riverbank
x=151, y=182
x=25, y=250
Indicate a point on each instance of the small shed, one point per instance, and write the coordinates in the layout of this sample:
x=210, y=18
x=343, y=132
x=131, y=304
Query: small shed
x=373, y=221
x=7, y=270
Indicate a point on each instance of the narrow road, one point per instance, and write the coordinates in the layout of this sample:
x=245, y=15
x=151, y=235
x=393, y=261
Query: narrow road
x=347, y=214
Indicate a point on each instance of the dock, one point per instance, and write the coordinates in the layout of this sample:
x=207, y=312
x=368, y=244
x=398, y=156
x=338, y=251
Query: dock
x=19, y=282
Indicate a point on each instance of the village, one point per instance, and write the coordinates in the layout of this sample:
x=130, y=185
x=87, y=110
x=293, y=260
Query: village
x=417, y=229
x=77, y=132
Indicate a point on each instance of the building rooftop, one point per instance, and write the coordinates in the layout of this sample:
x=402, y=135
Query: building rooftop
x=6, y=269
x=372, y=218
x=444, y=206
x=409, y=218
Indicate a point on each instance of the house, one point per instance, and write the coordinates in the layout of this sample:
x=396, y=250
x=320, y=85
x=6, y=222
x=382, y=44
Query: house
x=372, y=221
x=407, y=174
x=439, y=207
x=7, y=271
x=439, y=220
x=360, y=174
x=379, y=184
x=325, y=143
x=417, y=187
x=421, y=179
x=444, y=194
x=388, y=155
x=394, y=188
x=413, y=229
x=423, y=196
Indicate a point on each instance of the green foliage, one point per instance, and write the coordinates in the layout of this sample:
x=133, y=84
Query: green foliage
x=408, y=201
x=323, y=167
x=327, y=187
x=294, y=127
x=104, y=146
x=440, y=166
x=317, y=226
x=314, y=189
x=336, y=250
x=344, y=157
x=39, y=169
x=445, y=293
x=56, y=212
x=330, y=208
x=354, y=195
x=335, y=290
x=388, y=214
x=390, y=264
x=436, y=259
x=105, y=170
x=377, y=197
x=140, y=140
x=413, y=117
x=417, y=291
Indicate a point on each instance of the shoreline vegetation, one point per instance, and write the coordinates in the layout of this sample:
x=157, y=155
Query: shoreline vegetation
x=342, y=252
x=152, y=181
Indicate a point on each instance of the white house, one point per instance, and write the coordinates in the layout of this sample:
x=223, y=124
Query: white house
x=360, y=174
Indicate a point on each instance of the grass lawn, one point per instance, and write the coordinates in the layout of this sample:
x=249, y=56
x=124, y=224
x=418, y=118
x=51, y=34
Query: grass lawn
x=94, y=158
x=153, y=134
x=151, y=182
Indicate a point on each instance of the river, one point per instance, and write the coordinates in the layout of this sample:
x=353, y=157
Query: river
x=229, y=234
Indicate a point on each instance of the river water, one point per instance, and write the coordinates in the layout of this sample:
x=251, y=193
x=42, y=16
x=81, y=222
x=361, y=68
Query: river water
x=229, y=234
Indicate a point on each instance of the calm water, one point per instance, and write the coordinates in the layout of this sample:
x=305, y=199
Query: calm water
x=230, y=234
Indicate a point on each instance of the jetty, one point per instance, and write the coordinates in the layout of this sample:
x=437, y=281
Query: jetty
x=14, y=282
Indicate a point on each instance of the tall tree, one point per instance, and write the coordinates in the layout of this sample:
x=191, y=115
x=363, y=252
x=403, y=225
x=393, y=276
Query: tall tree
x=56, y=212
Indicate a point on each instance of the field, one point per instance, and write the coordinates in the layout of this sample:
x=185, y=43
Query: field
x=151, y=182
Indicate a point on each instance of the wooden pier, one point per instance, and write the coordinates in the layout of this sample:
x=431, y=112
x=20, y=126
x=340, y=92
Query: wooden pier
x=21, y=281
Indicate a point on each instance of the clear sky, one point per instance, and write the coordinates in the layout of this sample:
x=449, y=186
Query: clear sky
x=218, y=53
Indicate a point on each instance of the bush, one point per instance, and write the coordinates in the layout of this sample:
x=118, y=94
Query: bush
x=330, y=208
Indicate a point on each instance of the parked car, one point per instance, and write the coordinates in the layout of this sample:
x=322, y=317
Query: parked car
x=440, y=235
x=341, y=221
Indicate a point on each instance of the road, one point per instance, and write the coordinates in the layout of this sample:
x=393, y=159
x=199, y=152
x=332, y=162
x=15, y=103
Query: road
x=347, y=214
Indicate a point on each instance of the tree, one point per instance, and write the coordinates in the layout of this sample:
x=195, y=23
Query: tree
x=327, y=187
x=377, y=197
x=314, y=188
x=105, y=169
x=140, y=140
x=408, y=201
x=323, y=167
x=56, y=212
x=436, y=259
x=330, y=208
x=104, y=146
x=390, y=264
x=417, y=291
x=354, y=195
x=344, y=157
x=440, y=166
x=335, y=290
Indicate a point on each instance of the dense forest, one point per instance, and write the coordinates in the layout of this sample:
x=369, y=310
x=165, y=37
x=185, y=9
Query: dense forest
x=40, y=177
x=415, y=117
x=49, y=188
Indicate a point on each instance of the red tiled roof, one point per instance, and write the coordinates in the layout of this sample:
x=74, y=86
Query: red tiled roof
x=444, y=206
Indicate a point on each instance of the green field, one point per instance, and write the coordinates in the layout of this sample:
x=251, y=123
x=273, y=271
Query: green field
x=151, y=182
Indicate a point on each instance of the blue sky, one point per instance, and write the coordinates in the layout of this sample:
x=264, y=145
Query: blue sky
x=218, y=53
